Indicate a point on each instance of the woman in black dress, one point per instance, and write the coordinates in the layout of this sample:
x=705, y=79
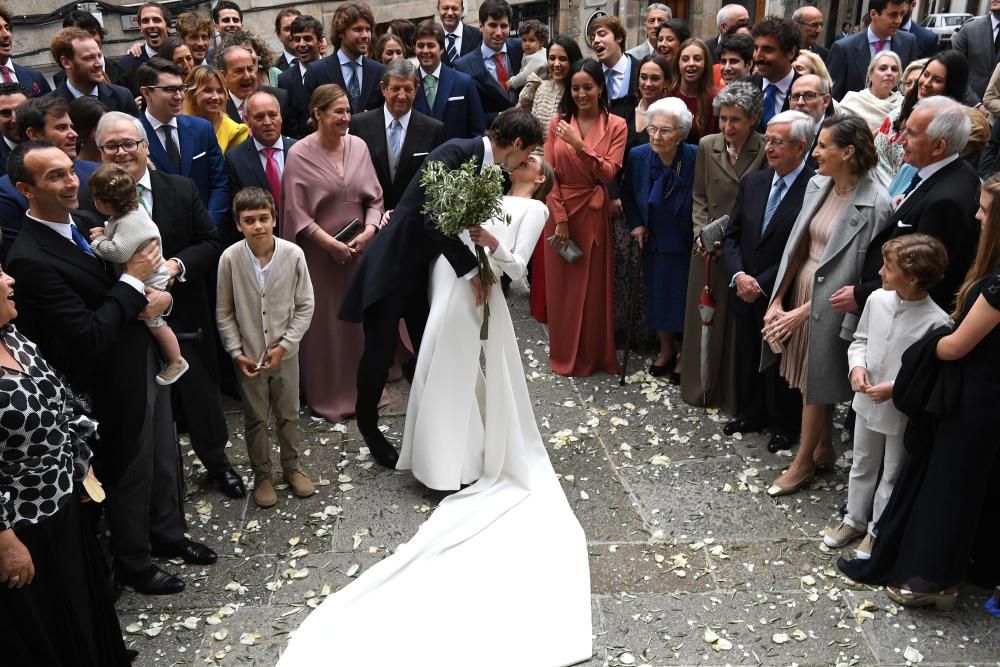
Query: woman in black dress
x=939, y=529
x=55, y=597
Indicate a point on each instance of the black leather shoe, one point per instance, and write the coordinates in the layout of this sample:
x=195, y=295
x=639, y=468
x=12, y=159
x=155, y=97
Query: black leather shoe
x=778, y=442
x=229, y=483
x=740, y=425
x=381, y=449
x=193, y=553
x=153, y=581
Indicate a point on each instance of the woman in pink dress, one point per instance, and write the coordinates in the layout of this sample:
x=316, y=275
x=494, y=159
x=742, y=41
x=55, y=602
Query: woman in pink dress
x=328, y=181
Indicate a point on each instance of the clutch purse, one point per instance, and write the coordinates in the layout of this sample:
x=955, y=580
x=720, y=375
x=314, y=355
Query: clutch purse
x=713, y=232
x=568, y=250
x=348, y=233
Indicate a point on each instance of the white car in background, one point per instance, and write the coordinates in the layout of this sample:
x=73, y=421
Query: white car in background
x=946, y=25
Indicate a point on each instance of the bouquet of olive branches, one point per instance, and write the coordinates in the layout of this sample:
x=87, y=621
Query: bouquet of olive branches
x=457, y=199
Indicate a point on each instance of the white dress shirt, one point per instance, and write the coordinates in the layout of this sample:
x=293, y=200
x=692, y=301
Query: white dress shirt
x=157, y=126
x=404, y=121
x=623, y=71
x=238, y=101
x=261, y=272
x=458, y=39
x=491, y=64
x=279, y=155
x=151, y=52
x=873, y=40
x=783, y=86
x=78, y=94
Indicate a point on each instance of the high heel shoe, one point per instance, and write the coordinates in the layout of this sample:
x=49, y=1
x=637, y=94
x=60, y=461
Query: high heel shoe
x=942, y=601
x=776, y=489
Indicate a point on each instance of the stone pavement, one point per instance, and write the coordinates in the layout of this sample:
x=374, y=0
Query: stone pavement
x=691, y=562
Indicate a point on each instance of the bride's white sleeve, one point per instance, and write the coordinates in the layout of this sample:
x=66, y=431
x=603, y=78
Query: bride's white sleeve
x=524, y=230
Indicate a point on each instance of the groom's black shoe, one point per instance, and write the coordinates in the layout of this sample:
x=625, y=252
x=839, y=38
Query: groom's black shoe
x=381, y=449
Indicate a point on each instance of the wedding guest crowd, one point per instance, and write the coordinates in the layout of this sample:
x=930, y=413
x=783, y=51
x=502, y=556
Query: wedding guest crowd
x=806, y=167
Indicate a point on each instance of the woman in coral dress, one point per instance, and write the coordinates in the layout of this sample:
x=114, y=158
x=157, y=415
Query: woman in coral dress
x=585, y=146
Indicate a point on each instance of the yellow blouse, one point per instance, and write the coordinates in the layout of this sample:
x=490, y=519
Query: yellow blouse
x=229, y=133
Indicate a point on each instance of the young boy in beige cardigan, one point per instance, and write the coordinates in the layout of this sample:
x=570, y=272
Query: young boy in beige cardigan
x=264, y=306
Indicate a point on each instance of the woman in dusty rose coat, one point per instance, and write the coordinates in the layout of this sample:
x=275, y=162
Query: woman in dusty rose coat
x=328, y=181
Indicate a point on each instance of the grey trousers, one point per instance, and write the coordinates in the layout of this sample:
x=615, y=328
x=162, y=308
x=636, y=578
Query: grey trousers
x=144, y=504
x=867, y=494
x=272, y=393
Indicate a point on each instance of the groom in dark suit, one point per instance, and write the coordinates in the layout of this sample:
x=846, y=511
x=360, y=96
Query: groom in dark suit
x=766, y=207
x=391, y=280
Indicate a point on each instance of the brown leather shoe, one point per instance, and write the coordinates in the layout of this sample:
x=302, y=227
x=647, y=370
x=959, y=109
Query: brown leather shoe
x=264, y=494
x=301, y=485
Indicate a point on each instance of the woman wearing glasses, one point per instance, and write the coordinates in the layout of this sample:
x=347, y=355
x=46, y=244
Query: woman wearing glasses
x=656, y=195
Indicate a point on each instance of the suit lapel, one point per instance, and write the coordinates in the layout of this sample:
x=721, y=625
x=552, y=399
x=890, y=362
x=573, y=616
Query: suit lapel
x=847, y=228
x=156, y=150
x=253, y=161
x=380, y=149
x=917, y=195
x=64, y=249
x=785, y=208
x=185, y=134
x=445, y=84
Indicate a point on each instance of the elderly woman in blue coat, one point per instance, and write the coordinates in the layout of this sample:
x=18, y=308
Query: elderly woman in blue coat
x=656, y=195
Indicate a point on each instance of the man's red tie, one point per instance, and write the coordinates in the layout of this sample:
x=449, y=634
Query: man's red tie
x=502, y=75
x=879, y=45
x=6, y=74
x=273, y=177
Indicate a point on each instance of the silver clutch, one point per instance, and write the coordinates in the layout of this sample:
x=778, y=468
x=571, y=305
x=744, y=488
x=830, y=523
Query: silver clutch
x=568, y=250
x=713, y=232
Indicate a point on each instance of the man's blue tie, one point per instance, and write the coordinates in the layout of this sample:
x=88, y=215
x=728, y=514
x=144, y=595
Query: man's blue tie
x=452, y=51
x=79, y=240
x=770, y=102
x=772, y=204
x=354, y=88
x=914, y=182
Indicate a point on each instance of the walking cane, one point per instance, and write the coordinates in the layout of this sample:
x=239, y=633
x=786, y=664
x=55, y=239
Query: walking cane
x=634, y=285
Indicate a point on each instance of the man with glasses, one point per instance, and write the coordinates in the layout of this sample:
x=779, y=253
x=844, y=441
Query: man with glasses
x=192, y=245
x=38, y=118
x=766, y=207
x=809, y=21
x=80, y=57
x=811, y=95
x=182, y=144
x=656, y=15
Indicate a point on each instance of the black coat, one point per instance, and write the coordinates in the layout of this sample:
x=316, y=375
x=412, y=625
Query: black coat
x=328, y=70
x=245, y=171
x=743, y=247
x=423, y=135
x=472, y=37
x=295, y=123
x=399, y=257
x=85, y=322
x=114, y=98
x=187, y=233
x=944, y=206
x=279, y=94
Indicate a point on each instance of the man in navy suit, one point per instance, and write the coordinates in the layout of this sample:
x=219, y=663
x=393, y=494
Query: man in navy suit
x=248, y=162
x=444, y=93
x=766, y=207
x=11, y=96
x=459, y=37
x=31, y=80
x=849, y=57
x=38, y=118
x=112, y=68
x=81, y=59
x=181, y=144
x=307, y=33
x=349, y=67
x=154, y=24
x=496, y=60
x=927, y=40
x=776, y=45
x=239, y=68
x=417, y=134
x=390, y=282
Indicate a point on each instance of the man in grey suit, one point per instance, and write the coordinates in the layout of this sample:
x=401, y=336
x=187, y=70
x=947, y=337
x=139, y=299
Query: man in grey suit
x=656, y=14
x=976, y=42
x=849, y=57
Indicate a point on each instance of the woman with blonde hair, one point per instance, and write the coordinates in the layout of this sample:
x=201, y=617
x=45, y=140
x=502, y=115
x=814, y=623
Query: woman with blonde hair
x=911, y=75
x=809, y=63
x=937, y=531
x=206, y=97
x=880, y=98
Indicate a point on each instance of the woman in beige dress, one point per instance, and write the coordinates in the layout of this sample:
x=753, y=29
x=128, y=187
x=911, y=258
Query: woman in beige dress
x=723, y=159
x=844, y=208
x=328, y=181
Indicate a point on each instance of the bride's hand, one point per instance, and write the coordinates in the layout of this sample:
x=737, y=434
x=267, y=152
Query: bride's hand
x=477, y=288
x=483, y=238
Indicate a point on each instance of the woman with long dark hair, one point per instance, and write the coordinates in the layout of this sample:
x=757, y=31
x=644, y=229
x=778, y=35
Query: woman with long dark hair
x=669, y=38
x=946, y=73
x=696, y=87
x=585, y=145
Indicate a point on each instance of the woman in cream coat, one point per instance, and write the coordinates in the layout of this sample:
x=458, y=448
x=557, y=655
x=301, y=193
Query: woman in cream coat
x=844, y=208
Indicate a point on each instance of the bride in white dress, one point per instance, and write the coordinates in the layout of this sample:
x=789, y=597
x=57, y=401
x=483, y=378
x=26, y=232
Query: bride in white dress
x=498, y=575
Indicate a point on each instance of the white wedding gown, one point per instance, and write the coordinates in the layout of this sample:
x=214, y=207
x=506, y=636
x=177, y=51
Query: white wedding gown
x=498, y=576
